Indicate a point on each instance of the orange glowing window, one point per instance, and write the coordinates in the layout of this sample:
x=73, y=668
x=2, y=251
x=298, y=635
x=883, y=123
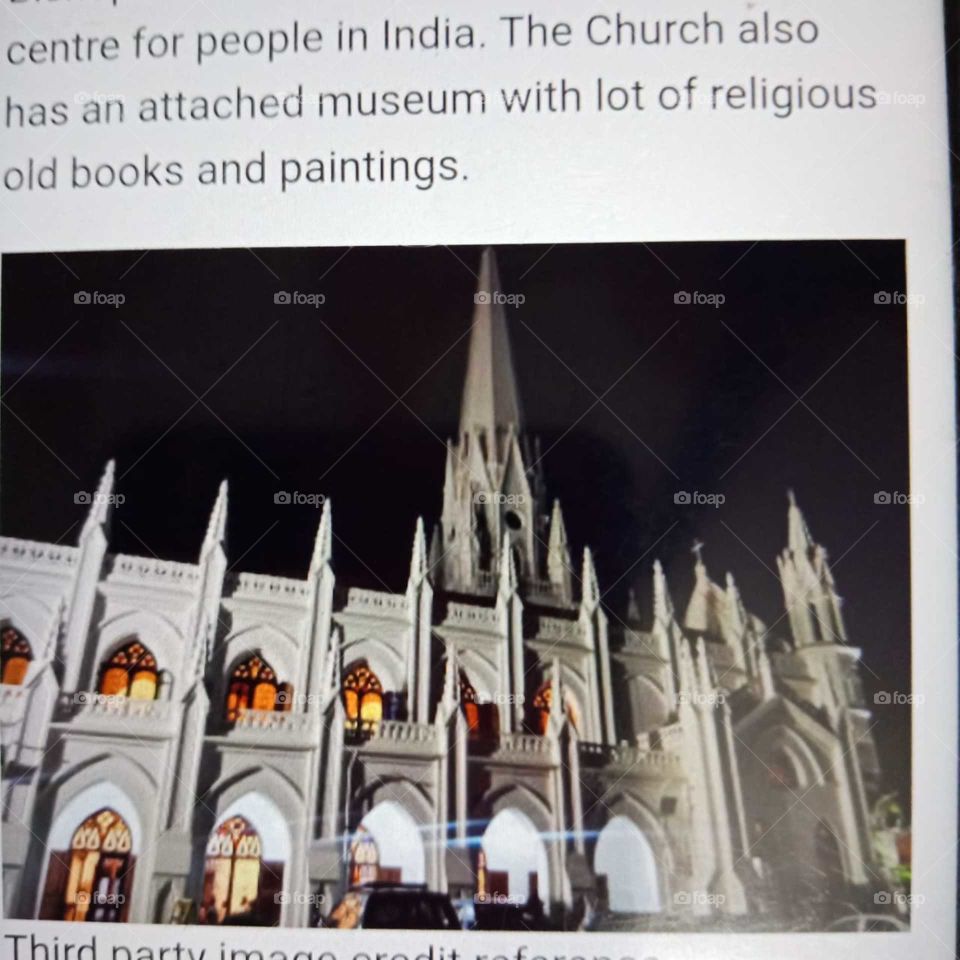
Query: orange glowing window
x=254, y=686
x=232, y=871
x=15, y=656
x=362, y=698
x=130, y=672
x=99, y=873
x=543, y=704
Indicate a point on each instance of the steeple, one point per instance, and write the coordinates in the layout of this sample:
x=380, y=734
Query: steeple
x=493, y=491
x=810, y=595
x=98, y=516
x=799, y=539
x=491, y=406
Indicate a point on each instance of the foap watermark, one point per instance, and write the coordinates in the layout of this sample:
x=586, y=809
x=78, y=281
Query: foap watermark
x=503, y=499
x=694, y=498
x=896, y=698
x=97, y=298
x=887, y=898
x=698, y=298
x=297, y=499
x=900, y=98
x=94, y=96
x=886, y=498
x=496, y=296
x=98, y=898
x=696, y=898
x=88, y=498
x=296, y=896
x=897, y=298
x=90, y=698
x=714, y=699
x=511, y=899
x=296, y=298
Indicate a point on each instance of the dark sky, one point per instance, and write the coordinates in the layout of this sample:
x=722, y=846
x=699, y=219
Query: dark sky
x=288, y=391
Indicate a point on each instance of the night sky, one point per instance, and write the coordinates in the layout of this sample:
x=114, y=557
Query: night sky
x=297, y=398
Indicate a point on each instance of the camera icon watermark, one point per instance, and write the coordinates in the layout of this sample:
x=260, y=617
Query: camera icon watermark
x=503, y=499
x=713, y=699
x=883, y=298
x=895, y=698
x=296, y=896
x=690, y=898
x=495, y=296
x=95, y=298
x=697, y=298
x=298, y=299
x=687, y=498
x=297, y=499
x=897, y=499
x=88, y=498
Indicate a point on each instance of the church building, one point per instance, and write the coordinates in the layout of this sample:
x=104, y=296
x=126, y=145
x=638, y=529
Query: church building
x=180, y=741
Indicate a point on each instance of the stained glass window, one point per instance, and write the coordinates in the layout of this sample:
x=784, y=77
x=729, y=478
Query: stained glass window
x=362, y=698
x=99, y=868
x=15, y=656
x=130, y=672
x=254, y=686
x=232, y=875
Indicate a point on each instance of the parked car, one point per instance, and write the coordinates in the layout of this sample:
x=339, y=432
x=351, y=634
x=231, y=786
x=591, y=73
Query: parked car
x=867, y=923
x=393, y=906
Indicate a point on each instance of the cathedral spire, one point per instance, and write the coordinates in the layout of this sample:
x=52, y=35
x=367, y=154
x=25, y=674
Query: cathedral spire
x=99, y=513
x=419, y=566
x=491, y=406
x=217, y=525
x=323, y=545
x=558, y=554
x=799, y=539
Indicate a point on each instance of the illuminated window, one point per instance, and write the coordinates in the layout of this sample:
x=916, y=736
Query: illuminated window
x=99, y=872
x=542, y=705
x=362, y=698
x=253, y=686
x=15, y=656
x=130, y=672
x=468, y=701
x=364, y=858
x=483, y=719
x=231, y=883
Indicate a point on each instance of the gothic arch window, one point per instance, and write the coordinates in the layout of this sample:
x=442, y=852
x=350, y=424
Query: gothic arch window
x=781, y=773
x=483, y=719
x=92, y=880
x=362, y=698
x=231, y=881
x=364, y=858
x=254, y=686
x=130, y=672
x=15, y=656
x=543, y=704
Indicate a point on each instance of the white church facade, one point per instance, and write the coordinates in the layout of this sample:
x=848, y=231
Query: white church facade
x=180, y=740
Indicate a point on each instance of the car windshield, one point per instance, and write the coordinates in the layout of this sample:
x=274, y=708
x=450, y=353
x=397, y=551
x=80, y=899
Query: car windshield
x=409, y=911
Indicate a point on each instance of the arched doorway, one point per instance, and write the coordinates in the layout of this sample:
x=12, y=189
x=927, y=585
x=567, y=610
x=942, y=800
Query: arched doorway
x=387, y=847
x=92, y=880
x=625, y=858
x=513, y=861
x=239, y=884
